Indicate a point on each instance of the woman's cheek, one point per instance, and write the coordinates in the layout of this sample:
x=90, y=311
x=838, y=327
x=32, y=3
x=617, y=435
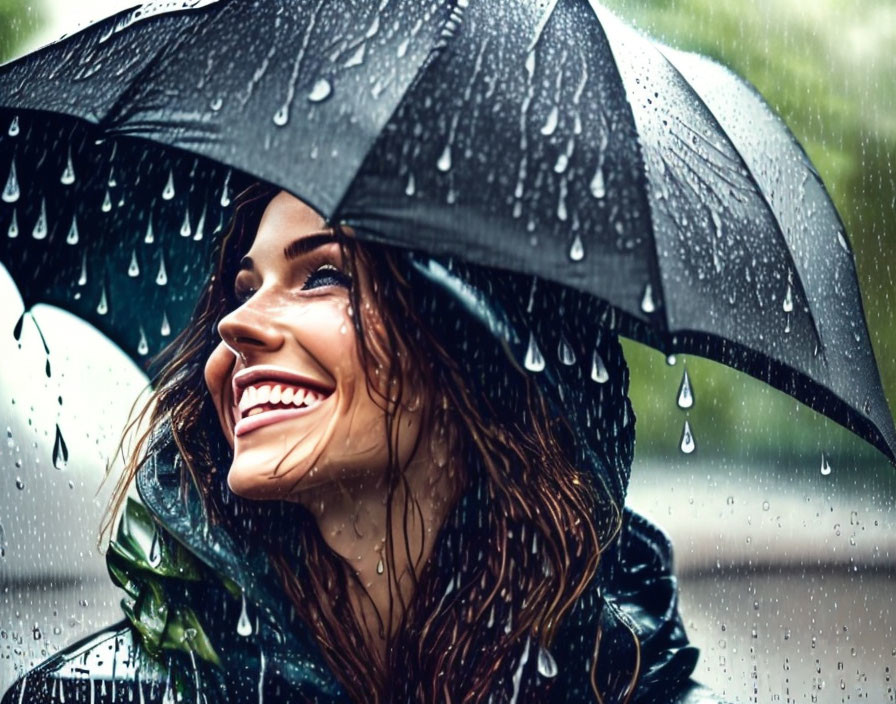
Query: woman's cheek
x=217, y=378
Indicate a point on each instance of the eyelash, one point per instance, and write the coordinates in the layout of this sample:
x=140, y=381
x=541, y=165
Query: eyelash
x=323, y=271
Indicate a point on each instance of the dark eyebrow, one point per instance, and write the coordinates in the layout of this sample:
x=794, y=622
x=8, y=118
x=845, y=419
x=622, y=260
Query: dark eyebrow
x=296, y=248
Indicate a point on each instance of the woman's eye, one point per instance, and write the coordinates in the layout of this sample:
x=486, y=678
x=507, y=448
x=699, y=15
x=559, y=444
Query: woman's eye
x=327, y=275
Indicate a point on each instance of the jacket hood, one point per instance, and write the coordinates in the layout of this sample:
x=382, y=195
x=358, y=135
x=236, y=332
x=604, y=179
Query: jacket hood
x=245, y=627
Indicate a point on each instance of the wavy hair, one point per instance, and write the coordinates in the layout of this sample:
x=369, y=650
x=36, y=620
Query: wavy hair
x=526, y=533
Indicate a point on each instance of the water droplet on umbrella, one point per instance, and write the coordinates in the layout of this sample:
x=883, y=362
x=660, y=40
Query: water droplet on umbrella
x=685, y=394
x=200, y=226
x=107, y=202
x=565, y=352
x=150, y=237
x=534, y=361
x=68, y=174
x=40, y=227
x=547, y=666
x=842, y=241
x=82, y=279
x=550, y=124
x=216, y=104
x=444, y=163
x=244, y=625
x=717, y=222
x=14, y=127
x=103, y=306
x=19, y=483
x=403, y=47
x=788, y=299
x=825, y=465
x=60, y=450
x=577, y=249
x=168, y=191
x=185, y=229
x=165, y=330
x=320, y=91
x=142, y=345
x=411, y=188
x=281, y=117
x=11, y=191
x=13, y=231
x=647, y=303
x=72, y=237
x=766, y=506
x=599, y=371
x=357, y=58
x=380, y=567
x=162, y=276
x=134, y=267
x=688, y=445
x=598, y=186
x=225, y=191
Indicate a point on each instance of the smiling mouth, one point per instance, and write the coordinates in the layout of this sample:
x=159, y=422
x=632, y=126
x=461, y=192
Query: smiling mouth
x=264, y=404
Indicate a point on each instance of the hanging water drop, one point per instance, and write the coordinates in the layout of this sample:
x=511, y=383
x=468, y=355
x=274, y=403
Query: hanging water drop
x=14, y=128
x=162, y=276
x=143, y=344
x=444, y=162
x=150, y=236
x=82, y=279
x=825, y=465
x=534, y=361
x=68, y=174
x=11, y=191
x=598, y=186
x=577, y=249
x=688, y=445
x=550, y=124
x=185, y=229
x=320, y=91
x=200, y=226
x=103, y=306
x=647, y=303
x=60, y=450
x=787, y=305
x=168, y=191
x=565, y=352
x=281, y=117
x=380, y=567
x=165, y=330
x=225, y=192
x=13, y=231
x=134, y=267
x=685, y=393
x=72, y=237
x=547, y=666
x=112, y=182
x=107, y=202
x=599, y=371
x=40, y=227
x=244, y=625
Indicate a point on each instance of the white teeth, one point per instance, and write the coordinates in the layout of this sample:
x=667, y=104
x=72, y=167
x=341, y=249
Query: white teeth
x=286, y=396
x=264, y=394
x=299, y=397
x=275, y=394
x=281, y=394
x=252, y=392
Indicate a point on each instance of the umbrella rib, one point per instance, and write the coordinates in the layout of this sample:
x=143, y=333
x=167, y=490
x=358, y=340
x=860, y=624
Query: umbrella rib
x=749, y=173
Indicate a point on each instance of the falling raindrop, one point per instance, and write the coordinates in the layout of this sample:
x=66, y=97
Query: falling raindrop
x=565, y=352
x=150, y=237
x=685, y=393
x=165, y=330
x=200, y=226
x=82, y=279
x=107, y=202
x=40, y=227
x=547, y=666
x=688, y=445
x=60, y=450
x=68, y=174
x=103, y=306
x=534, y=361
x=225, y=191
x=112, y=182
x=134, y=267
x=411, y=188
x=142, y=345
x=72, y=237
x=671, y=360
x=599, y=371
x=162, y=276
x=444, y=163
x=825, y=465
x=13, y=230
x=598, y=186
x=577, y=249
x=168, y=191
x=647, y=303
x=244, y=625
x=320, y=91
x=185, y=229
x=11, y=191
x=14, y=127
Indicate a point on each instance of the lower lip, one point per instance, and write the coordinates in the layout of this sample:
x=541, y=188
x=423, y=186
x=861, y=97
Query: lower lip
x=259, y=420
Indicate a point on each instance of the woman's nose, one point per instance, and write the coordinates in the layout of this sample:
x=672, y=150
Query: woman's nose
x=249, y=329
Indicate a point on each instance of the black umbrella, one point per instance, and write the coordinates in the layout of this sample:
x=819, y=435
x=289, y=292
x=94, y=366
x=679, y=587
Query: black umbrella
x=544, y=138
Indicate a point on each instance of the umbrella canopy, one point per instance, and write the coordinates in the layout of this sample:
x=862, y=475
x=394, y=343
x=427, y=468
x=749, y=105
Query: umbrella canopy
x=544, y=138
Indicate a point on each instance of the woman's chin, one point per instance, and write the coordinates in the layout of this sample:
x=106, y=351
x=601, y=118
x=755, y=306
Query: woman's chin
x=261, y=479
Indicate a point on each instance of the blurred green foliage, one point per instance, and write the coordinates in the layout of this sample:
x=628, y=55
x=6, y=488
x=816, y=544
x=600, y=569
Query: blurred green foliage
x=827, y=67
x=19, y=21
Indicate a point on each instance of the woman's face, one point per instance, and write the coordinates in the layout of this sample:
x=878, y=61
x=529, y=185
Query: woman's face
x=286, y=379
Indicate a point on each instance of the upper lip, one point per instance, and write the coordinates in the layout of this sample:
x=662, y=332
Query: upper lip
x=266, y=372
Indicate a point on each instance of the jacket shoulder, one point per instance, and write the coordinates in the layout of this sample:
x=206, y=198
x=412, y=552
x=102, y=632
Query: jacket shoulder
x=108, y=666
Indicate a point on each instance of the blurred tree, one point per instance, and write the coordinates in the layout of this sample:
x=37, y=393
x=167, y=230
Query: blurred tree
x=18, y=21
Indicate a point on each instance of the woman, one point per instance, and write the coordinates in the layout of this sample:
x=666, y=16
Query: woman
x=363, y=481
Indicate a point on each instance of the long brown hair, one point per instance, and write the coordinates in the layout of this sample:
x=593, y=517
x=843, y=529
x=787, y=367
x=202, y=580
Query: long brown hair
x=522, y=545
